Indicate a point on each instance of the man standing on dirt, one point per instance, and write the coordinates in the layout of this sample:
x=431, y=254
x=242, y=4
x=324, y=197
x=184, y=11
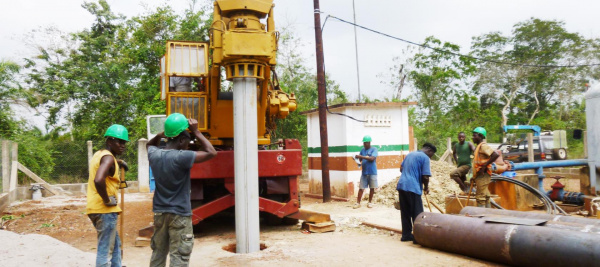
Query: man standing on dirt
x=103, y=183
x=173, y=233
x=462, y=152
x=368, y=178
x=416, y=170
x=483, y=157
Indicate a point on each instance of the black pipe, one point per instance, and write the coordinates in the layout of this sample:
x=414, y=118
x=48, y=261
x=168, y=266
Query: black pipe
x=518, y=245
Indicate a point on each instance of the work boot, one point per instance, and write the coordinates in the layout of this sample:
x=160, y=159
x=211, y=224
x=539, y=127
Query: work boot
x=356, y=206
x=370, y=205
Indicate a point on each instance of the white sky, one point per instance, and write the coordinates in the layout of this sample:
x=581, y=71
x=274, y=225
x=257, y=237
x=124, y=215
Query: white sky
x=455, y=21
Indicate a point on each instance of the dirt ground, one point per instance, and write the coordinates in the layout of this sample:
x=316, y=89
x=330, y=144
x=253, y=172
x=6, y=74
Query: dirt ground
x=352, y=244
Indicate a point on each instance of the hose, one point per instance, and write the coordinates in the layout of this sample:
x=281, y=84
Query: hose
x=551, y=207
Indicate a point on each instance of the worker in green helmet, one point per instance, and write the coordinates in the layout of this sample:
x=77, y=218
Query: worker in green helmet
x=103, y=184
x=483, y=156
x=173, y=234
x=368, y=178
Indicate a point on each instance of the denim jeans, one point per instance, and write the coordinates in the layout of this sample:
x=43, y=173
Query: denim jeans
x=109, y=244
x=173, y=235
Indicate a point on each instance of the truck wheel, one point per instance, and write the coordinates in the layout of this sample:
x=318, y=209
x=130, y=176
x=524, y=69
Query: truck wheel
x=560, y=154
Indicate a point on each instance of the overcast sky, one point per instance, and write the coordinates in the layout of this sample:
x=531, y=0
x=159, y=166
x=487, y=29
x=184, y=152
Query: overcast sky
x=455, y=21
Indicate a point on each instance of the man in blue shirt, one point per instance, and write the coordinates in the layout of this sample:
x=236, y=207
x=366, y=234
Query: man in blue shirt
x=415, y=172
x=368, y=157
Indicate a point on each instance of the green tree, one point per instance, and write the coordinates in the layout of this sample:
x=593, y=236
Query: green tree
x=109, y=73
x=295, y=77
x=525, y=91
x=8, y=91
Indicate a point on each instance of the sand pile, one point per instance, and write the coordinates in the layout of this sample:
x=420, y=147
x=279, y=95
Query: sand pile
x=40, y=250
x=440, y=185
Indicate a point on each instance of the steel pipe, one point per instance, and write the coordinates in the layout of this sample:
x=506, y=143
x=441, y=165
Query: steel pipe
x=245, y=154
x=518, y=245
x=530, y=215
x=539, y=166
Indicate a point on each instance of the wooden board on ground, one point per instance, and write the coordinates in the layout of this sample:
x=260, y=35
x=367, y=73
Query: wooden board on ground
x=319, y=227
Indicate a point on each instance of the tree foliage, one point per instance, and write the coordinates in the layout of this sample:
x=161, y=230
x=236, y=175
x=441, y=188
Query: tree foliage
x=538, y=85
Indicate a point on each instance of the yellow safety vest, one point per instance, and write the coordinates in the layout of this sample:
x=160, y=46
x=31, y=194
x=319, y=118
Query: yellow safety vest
x=479, y=162
x=95, y=204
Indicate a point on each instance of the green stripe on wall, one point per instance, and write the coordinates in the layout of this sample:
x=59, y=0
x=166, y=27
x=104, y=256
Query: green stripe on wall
x=342, y=149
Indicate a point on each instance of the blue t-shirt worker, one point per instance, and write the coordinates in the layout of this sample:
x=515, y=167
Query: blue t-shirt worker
x=173, y=233
x=368, y=178
x=414, y=180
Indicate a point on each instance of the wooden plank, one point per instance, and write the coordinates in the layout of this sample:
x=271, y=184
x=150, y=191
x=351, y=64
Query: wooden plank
x=36, y=178
x=382, y=227
x=319, y=227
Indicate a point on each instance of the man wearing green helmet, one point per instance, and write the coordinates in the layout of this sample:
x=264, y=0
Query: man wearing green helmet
x=103, y=183
x=482, y=158
x=173, y=233
x=368, y=178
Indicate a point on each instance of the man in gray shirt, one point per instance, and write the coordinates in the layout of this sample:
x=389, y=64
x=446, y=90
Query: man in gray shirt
x=171, y=205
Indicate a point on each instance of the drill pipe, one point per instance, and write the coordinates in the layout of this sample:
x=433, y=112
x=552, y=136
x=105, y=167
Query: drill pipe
x=530, y=215
x=518, y=245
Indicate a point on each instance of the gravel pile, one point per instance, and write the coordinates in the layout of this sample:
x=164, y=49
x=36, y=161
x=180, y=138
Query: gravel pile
x=440, y=185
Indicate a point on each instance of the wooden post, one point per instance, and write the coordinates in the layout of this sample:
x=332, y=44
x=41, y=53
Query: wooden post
x=530, y=155
x=90, y=150
x=5, y=166
x=449, y=144
x=416, y=144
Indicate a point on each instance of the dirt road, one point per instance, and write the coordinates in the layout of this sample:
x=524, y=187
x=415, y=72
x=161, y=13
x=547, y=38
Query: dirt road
x=352, y=244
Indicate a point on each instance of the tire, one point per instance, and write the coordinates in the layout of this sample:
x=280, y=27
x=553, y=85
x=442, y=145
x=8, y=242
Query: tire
x=559, y=154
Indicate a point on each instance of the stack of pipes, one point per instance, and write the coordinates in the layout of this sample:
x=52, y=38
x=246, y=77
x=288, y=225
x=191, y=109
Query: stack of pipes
x=512, y=237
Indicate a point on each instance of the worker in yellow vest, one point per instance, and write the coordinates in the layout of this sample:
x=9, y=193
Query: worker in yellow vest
x=103, y=184
x=484, y=156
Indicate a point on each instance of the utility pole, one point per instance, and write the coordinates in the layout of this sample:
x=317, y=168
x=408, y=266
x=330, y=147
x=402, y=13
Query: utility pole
x=356, y=50
x=322, y=105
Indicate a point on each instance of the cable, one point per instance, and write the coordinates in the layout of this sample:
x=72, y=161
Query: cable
x=458, y=54
x=551, y=207
x=327, y=106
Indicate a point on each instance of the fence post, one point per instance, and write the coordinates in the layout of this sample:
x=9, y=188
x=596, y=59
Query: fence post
x=90, y=151
x=530, y=155
x=15, y=160
x=5, y=166
x=143, y=167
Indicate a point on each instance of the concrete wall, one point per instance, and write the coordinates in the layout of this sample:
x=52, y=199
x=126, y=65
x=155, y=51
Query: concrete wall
x=386, y=124
x=80, y=190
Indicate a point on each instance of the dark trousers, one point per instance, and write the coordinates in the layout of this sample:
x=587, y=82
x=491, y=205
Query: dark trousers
x=411, y=205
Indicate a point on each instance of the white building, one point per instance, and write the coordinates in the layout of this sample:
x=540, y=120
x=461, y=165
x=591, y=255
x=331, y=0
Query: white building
x=386, y=123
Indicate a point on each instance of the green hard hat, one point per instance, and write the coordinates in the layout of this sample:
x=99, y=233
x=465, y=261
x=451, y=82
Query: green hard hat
x=367, y=138
x=481, y=131
x=117, y=131
x=175, y=124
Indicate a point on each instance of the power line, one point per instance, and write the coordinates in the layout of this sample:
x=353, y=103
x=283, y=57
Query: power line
x=457, y=54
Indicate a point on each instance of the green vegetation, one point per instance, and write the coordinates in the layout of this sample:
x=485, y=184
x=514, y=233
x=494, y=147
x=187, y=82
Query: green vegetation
x=456, y=93
x=109, y=73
